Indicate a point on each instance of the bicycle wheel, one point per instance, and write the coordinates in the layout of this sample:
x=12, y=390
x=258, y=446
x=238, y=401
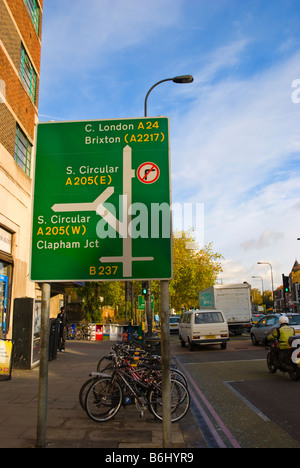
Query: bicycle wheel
x=178, y=375
x=84, y=389
x=105, y=363
x=103, y=400
x=180, y=401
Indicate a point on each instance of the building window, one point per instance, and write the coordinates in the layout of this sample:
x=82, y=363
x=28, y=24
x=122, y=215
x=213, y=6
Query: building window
x=23, y=151
x=27, y=73
x=34, y=11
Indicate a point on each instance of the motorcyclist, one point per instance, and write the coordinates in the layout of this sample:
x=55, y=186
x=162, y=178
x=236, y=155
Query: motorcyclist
x=282, y=333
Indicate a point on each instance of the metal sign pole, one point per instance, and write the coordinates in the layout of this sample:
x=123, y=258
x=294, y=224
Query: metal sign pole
x=165, y=357
x=43, y=376
x=148, y=309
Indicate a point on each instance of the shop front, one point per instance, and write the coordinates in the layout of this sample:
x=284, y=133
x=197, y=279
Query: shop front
x=3, y=304
x=6, y=270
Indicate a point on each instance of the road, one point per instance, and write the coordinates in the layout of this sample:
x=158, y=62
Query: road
x=236, y=401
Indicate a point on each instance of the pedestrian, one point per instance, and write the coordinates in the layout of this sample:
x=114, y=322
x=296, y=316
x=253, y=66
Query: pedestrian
x=63, y=320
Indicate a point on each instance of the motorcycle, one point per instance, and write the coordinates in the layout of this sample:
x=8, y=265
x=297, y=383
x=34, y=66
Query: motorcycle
x=285, y=360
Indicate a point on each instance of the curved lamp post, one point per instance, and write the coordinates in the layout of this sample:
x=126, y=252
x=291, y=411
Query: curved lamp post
x=165, y=334
x=183, y=79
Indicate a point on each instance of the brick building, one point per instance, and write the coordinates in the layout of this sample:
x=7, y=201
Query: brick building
x=20, y=54
x=295, y=286
x=289, y=301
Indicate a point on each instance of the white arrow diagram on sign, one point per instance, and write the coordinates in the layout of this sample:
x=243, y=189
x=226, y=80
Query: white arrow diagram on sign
x=62, y=207
x=126, y=259
x=120, y=226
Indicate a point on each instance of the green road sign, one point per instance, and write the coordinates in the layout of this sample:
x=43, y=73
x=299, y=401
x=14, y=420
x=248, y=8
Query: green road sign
x=101, y=207
x=142, y=302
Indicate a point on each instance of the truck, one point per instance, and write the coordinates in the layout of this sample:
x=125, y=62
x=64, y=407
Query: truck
x=234, y=301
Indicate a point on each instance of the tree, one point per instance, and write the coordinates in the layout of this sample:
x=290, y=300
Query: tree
x=95, y=295
x=268, y=300
x=256, y=297
x=194, y=269
x=113, y=293
x=91, y=296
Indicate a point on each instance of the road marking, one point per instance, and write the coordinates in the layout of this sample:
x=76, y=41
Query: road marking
x=212, y=412
x=222, y=362
x=244, y=400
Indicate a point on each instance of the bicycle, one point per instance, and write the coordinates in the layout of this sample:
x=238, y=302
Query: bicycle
x=83, y=332
x=106, y=393
x=124, y=350
x=130, y=348
x=106, y=363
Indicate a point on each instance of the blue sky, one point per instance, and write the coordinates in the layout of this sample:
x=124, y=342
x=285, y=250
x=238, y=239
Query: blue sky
x=235, y=131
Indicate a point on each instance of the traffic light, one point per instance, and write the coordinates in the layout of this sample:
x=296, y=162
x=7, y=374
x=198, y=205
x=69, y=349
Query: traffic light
x=144, y=287
x=286, y=283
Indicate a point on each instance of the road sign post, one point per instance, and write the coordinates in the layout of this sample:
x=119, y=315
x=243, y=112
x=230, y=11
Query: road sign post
x=102, y=201
x=43, y=371
x=101, y=208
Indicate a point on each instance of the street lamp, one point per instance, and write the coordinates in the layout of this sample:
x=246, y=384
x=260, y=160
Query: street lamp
x=267, y=263
x=183, y=79
x=165, y=333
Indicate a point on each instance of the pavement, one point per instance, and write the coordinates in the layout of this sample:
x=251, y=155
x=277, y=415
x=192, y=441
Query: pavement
x=68, y=426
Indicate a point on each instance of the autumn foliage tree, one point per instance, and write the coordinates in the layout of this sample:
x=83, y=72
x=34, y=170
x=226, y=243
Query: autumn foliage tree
x=194, y=269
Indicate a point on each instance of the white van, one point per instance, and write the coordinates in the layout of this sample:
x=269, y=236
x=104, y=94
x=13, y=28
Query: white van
x=203, y=327
x=174, y=323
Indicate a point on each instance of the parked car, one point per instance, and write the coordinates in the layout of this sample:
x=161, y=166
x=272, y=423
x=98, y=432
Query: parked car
x=268, y=323
x=203, y=327
x=255, y=318
x=174, y=323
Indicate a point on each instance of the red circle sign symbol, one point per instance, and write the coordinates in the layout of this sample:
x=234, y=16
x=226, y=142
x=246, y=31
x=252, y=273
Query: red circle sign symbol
x=148, y=173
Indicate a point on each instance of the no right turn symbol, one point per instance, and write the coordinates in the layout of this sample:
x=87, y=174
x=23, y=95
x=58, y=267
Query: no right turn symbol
x=148, y=173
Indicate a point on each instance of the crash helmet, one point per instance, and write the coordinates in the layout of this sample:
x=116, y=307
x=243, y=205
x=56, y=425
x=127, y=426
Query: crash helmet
x=283, y=320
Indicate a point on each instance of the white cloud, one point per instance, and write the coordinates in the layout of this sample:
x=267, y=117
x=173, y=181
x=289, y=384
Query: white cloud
x=93, y=54
x=237, y=152
x=83, y=34
x=225, y=57
x=233, y=271
x=266, y=239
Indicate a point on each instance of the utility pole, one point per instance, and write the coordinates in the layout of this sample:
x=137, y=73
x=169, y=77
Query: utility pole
x=43, y=376
x=165, y=360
